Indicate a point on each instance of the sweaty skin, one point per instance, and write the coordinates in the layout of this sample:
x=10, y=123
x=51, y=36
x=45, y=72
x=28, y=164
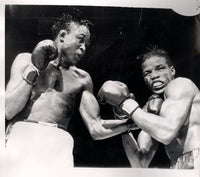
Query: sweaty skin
x=178, y=124
x=58, y=106
x=181, y=107
x=52, y=99
x=187, y=132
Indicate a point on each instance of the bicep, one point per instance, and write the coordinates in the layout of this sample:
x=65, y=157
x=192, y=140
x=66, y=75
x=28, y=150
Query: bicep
x=178, y=102
x=89, y=108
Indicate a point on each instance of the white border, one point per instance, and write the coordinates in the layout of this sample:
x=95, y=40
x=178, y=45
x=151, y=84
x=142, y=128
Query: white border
x=184, y=7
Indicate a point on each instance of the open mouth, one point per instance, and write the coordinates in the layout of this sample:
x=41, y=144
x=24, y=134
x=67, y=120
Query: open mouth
x=158, y=85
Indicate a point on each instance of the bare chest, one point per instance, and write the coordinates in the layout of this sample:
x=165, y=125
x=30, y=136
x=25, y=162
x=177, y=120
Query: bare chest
x=67, y=82
x=73, y=81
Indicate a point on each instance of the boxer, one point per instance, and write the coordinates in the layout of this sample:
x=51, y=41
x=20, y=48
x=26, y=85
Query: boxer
x=176, y=124
x=40, y=99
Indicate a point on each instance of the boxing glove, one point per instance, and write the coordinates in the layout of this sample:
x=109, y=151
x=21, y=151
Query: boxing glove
x=43, y=53
x=154, y=104
x=119, y=113
x=113, y=93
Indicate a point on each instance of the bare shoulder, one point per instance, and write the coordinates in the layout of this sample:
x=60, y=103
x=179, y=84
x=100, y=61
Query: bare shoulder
x=82, y=73
x=181, y=86
x=22, y=60
x=19, y=64
x=85, y=78
x=23, y=57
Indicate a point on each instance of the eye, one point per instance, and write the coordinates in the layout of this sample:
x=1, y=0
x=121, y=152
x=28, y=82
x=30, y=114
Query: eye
x=146, y=74
x=161, y=67
x=81, y=39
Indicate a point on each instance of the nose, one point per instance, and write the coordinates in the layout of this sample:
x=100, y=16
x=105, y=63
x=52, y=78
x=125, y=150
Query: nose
x=83, y=47
x=154, y=75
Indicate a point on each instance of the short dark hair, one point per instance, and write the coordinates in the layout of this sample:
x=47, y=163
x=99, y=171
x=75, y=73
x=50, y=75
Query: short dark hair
x=63, y=23
x=155, y=51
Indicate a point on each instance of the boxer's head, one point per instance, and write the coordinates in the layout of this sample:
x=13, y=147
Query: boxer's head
x=157, y=70
x=72, y=37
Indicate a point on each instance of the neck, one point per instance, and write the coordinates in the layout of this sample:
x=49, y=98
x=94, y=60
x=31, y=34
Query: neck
x=62, y=64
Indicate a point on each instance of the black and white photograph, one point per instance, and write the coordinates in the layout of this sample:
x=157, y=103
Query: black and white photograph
x=101, y=87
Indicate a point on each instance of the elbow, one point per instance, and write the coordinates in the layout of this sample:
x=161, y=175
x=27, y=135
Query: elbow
x=96, y=133
x=166, y=140
x=95, y=137
x=168, y=137
x=8, y=115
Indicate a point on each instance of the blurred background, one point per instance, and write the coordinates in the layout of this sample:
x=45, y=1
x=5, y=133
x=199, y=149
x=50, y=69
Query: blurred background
x=119, y=35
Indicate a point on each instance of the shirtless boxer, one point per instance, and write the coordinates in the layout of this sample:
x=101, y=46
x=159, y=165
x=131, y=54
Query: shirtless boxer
x=177, y=125
x=40, y=98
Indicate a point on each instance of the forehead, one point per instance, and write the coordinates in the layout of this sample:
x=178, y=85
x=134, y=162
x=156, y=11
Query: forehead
x=154, y=61
x=78, y=29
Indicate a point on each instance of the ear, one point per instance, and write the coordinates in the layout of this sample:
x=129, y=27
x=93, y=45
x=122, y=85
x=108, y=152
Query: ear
x=173, y=70
x=61, y=35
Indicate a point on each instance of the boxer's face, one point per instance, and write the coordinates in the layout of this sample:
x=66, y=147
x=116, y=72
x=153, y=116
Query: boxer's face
x=157, y=73
x=74, y=43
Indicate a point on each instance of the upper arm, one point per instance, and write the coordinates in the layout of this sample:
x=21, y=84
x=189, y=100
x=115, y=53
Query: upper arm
x=90, y=113
x=89, y=107
x=139, y=153
x=88, y=83
x=18, y=66
x=176, y=107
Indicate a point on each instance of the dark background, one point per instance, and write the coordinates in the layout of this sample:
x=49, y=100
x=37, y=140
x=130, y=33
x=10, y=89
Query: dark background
x=119, y=35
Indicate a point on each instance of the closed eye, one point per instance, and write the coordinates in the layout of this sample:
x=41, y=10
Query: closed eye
x=84, y=39
x=160, y=67
x=146, y=73
x=81, y=39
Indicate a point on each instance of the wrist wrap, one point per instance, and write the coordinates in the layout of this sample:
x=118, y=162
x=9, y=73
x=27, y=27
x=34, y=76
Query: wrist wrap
x=129, y=106
x=30, y=75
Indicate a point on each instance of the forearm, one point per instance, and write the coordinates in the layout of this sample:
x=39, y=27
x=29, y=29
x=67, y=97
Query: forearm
x=114, y=123
x=147, y=146
x=97, y=127
x=109, y=128
x=156, y=126
x=132, y=150
x=16, y=99
x=151, y=123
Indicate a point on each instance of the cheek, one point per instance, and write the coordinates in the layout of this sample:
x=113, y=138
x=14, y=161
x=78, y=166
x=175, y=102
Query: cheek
x=69, y=42
x=147, y=81
x=68, y=49
x=167, y=76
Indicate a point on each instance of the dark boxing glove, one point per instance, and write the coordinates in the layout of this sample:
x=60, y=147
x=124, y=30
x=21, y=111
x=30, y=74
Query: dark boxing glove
x=113, y=93
x=154, y=104
x=43, y=53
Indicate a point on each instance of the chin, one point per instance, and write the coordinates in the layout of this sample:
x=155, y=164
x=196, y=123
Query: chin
x=161, y=91
x=74, y=63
